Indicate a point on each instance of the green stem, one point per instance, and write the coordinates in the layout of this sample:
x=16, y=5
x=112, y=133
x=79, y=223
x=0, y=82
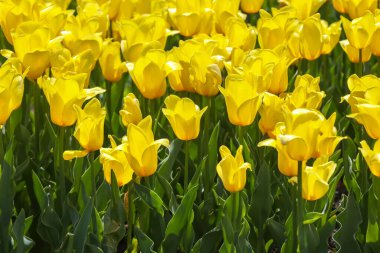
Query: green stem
x=235, y=210
x=300, y=207
x=1, y=147
x=60, y=163
x=152, y=107
x=91, y=158
x=130, y=215
x=240, y=135
x=360, y=64
x=299, y=67
x=378, y=64
x=365, y=196
x=109, y=97
x=37, y=118
x=295, y=219
x=186, y=170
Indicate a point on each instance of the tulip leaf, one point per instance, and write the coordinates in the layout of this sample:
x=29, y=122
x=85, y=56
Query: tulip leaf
x=173, y=205
x=145, y=243
x=312, y=217
x=6, y=204
x=167, y=164
x=209, y=242
x=41, y=196
x=178, y=222
x=50, y=227
x=80, y=232
x=324, y=234
x=210, y=170
x=150, y=198
x=349, y=220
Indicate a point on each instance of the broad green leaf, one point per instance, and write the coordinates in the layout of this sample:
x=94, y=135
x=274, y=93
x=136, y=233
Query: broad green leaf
x=166, y=166
x=6, y=205
x=39, y=191
x=80, y=232
x=212, y=159
x=145, y=243
x=150, y=198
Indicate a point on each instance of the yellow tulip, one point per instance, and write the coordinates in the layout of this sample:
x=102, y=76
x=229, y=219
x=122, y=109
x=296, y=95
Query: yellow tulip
x=359, y=31
x=130, y=113
x=184, y=117
x=357, y=9
x=286, y=165
x=232, y=170
x=89, y=130
x=306, y=93
x=315, y=178
x=242, y=100
x=354, y=54
x=11, y=88
x=270, y=113
x=239, y=34
x=31, y=41
x=368, y=115
x=150, y=71
x=363, y=90
x=376, y=35
x=372, y=157
x=224, y=9
x=251, y=6
x=339, y=5
x=54, y=15
x=141, y=148
x=114, y=159
x=94, y=13
x=305, y=9
x=311, y=38
x=62, y=94
x=205, y=74
x=331, y=35
x=308, y=134
x=110, y=62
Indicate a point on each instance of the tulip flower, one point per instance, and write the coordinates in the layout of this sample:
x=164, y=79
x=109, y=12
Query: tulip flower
x=363, y=90
x=11, y=88
x=308, y=134
x=270, y=113
x=359, y=31
x=331, y=35
x=239, y=34
x=131, y=112
x=31, y=41
x=150, y=71
x=305, y=9
x=62, y=94
x=251, y=6
x=184, y=117
x=311, y=37
x=368, y=115
x=372, y=157
x=224, y=9
x=114, y=159
x=141, y=148
x=286, y=165
x=339, y=5
x=354, y=54
x=376, y=35
x=315, y=178
x=306, y=94
x=242, y=100
x=232, y=170
x=354, y=8
x=95, y=13
x=110, y=62
x=89, y=130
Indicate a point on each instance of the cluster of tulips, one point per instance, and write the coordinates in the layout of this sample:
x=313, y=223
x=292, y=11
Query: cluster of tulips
x=130, y=68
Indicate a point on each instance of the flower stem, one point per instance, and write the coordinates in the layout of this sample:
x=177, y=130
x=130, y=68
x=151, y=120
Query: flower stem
x=91, y=159
x=240, y=135
x=37, y=118
x=295, y=219
x=300, y=207
x=60, y=163
x=109, y=97
x=1, y=147
x=360, y=64
x=186, y=170
x=130, y=215
x=235, y=210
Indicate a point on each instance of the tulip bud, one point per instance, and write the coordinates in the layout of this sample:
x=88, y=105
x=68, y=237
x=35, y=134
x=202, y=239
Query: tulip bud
x=110, y=62
x=372, y=157
x=251, y=6
x=130, y=113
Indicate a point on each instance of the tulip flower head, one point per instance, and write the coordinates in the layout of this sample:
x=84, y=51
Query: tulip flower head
x=141, y=148
x=251, y=6
x=110, y=62
x=360, y=30
x=232, y=170
x=184, y=117
x=372, y=157
x=131, y=112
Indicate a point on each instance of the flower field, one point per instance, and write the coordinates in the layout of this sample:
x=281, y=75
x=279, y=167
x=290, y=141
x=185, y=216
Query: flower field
x=190, y=126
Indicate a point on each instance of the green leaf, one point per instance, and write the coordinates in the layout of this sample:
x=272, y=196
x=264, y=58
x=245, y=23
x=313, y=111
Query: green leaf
x=312, y=217
x=349, y=221
x=50, y=226
x=166, y=165
x=209, y=242
x=18, y=232
x=324, y=235
x=145, y=243
x=173, y=205
x=179, y=221
x=150, y=198
x=80, y=232
x=6, y=205
x=212, y=156
x=39, y=191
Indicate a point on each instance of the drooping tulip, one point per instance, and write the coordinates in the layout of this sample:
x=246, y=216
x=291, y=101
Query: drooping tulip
x=184, y=117
x=232, y=170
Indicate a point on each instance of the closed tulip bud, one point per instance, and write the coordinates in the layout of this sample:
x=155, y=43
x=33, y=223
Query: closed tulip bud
x=240, y=35
x=359, y=31
x=270, y=113
x=232, y=170
x=286, y=165
x=110, y=62
x=114, y=159
x=205, y=75
x=372, y=157
x=184, y=117
x=131, y=112
x=31, y=41
x=242, y=100
x=311, y=38
x=354, y=54
x=141, y=148
x=62, y=94
x=251, y=6
x=305, y=9
x=11, y=88
x=315, y=178
x=150, y=71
